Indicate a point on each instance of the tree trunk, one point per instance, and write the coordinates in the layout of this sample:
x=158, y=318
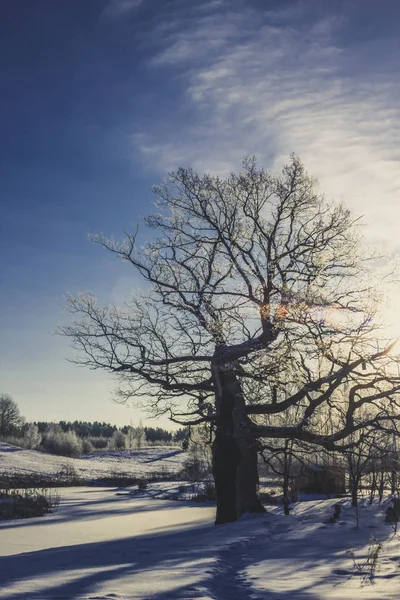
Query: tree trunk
x=381, y=485
x=286, y=503
x=393, y=482
x=287, y=463
x=226, y=458
x=247, y=481
x=354, y=492
x=235, y=467
x=373, y=486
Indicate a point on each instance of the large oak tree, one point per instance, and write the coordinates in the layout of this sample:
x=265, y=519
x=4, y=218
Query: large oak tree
x=257, y=301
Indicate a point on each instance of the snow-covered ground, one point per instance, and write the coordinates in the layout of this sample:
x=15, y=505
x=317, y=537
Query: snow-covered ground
x=102, y=543
x=136, y=463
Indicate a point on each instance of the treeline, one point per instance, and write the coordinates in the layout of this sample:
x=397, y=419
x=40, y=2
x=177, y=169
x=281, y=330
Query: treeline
x=97, y=429
x=73, y=438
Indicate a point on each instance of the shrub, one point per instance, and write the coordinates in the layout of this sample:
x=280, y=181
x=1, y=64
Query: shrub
x=87, y=446
x=209, y=490
x=370, y=565
x=68, y=475
x=13, y=480
x=13, y=440
x=98, y=442
x=117, y=441
x=24, y=504
x=28, y=437
x=193, y=469
x=62, y=443
x=267, y=498
x=197, y=465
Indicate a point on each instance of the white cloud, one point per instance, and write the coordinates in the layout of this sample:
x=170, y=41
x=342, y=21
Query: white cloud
x=274, y=87
x=209, y=37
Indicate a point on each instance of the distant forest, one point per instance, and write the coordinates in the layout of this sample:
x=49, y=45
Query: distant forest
x=85, y=429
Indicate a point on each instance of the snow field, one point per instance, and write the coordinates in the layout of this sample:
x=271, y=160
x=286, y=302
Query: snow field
x=103, y=543
x=124, y=544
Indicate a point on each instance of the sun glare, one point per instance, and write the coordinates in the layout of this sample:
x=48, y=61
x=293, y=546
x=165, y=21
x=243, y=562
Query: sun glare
x=391, y=321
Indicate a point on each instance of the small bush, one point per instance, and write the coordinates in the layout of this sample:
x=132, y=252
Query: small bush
x=13, y=440
x=13, y=480
x=370, y=565
x=68, y=475
x=197, y=466
x=193, y=469
x=98, y=442
x=25, y=504
x=209, y=490
x=87, y=446
x=267, y=498
x=142, y=484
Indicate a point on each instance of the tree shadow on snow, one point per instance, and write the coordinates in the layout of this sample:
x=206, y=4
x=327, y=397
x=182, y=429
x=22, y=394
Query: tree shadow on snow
x=171, y=552
x=161, y=457
x=107, y=561
x=119, y=505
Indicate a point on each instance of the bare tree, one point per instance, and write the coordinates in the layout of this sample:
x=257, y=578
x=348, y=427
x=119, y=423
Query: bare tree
x=10, y=417
x=257, y=300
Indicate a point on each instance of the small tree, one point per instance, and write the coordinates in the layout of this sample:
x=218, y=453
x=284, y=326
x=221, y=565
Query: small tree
x=32, y=437
x=197, y=465
x=10, y=417
x=135, y=437
x=117, y=441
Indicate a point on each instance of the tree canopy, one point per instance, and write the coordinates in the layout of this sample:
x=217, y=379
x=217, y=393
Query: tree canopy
x=10, y=416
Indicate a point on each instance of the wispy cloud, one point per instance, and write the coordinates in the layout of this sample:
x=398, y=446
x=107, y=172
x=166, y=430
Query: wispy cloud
x=120, y=8
x=269, y=83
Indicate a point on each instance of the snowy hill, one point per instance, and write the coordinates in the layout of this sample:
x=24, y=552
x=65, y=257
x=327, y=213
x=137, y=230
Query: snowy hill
x=136, y=463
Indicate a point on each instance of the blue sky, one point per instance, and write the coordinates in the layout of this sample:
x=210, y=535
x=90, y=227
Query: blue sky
x=101, y=98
